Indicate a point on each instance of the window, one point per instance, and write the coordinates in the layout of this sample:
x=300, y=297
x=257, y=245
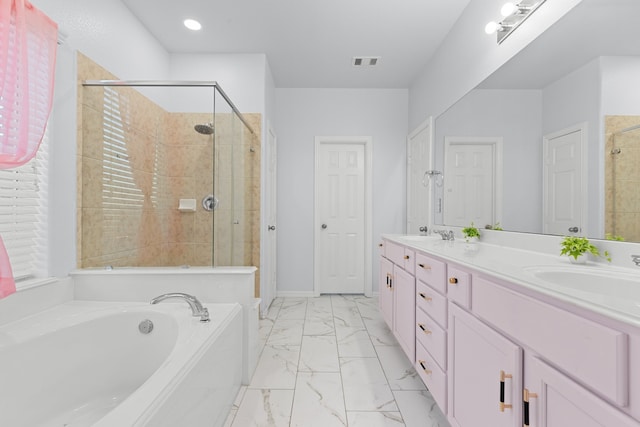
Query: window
x=23, y=214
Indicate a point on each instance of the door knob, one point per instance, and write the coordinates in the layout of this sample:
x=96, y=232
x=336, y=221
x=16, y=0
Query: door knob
x=271, y=227
x=573, y=229
x=324, y=226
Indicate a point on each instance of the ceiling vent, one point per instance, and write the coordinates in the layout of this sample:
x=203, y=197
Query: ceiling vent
x=365, y=61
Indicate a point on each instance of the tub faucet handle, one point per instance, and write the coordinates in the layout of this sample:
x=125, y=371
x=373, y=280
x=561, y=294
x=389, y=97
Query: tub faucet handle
x=636, y=259
x=197, y=309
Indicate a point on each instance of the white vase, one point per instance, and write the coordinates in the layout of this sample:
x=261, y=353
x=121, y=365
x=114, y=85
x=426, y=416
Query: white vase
x=471, y=239
x=582, y=259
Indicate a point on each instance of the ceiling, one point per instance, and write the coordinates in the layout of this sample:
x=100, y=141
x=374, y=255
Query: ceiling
x=310, y=44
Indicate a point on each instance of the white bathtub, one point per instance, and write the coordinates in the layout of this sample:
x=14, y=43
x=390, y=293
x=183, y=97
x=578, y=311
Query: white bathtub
x=85, y=363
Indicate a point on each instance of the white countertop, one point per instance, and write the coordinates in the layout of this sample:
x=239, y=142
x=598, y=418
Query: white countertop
x=516, y=266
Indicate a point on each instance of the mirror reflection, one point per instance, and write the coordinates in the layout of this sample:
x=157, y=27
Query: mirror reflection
x=549, y=143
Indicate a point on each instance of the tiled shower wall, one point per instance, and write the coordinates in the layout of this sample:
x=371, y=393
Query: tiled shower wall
x=622, y=178
x=136, y=160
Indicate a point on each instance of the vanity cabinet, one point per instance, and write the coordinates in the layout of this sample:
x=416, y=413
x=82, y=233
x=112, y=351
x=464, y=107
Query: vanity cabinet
x=495, y=354
x=397, y=287
x=385, y=292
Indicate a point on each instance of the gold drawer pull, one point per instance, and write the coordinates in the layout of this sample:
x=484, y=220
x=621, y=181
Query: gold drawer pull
x=526, y=396
x=453, y=280
x=406, y=257
x=424, y=297
x=426, y=267
x=425, y=330
x=503, y=405
x=426, y=371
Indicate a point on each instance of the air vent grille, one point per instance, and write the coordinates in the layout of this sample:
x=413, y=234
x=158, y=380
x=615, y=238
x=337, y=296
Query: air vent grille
x=365, y=61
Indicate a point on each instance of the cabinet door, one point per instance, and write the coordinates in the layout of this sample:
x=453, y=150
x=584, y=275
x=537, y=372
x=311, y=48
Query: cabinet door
x=385, y=291
x=404, y=326
x=485, y=368
x=554, y=400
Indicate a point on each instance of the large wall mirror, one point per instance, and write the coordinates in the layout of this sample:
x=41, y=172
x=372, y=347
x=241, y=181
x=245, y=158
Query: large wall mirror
x=550, y=143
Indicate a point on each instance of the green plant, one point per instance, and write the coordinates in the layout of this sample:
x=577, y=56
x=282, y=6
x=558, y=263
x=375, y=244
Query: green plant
x=614, y=237
x=575, y=246
x=471, y=231
x=496, y=227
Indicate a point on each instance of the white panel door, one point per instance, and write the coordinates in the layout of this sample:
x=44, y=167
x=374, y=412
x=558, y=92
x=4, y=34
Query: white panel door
x=563, y=183
x=470, y=187
x=340, y=217
x=268, y=290
x=419, y=195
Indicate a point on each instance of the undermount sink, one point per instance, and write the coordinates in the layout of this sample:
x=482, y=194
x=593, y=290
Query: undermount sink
x=419, y=238
x=593, y=280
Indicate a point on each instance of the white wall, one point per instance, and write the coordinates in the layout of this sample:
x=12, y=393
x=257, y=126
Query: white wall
x=302, y=114
x=620, y=88
x=571, y=100
x=514, y=115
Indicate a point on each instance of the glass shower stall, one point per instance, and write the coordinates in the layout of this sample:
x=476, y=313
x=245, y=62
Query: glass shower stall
x=168, y=175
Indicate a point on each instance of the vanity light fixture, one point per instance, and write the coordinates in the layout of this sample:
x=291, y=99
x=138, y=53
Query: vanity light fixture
x=192, y=24
x=513, y=14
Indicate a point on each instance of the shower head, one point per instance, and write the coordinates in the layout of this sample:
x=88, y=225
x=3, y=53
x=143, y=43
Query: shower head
x=204, y=129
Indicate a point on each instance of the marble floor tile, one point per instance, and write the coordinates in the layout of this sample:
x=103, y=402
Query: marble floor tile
x=365, y=386
x=318, y=401
x=354, y=342
x=419, y=409
x=319, y=354
x=379, y=332
x=277, y=367
x=293, y=308
x=374, y=419
x=264, y=408
x=286, y=332
x=398, y=369
x=313, y=326
x=348, y=317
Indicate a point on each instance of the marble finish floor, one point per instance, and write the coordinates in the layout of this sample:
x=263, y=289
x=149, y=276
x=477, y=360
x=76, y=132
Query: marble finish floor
x=332, y=361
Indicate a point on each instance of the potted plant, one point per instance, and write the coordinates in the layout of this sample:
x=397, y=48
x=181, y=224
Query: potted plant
x=576, y=248
x=471, y=234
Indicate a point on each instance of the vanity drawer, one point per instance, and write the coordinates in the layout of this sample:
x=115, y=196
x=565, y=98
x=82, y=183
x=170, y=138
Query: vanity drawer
x=459, y=286
x=432, y=337
x=395, y=253
x=597, y=356
x=432, y=376
x=432, y=272
x=432, y=303
x=409, y=261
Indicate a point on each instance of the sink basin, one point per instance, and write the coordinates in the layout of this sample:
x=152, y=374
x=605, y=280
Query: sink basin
x=606, y=282
x=418, y=238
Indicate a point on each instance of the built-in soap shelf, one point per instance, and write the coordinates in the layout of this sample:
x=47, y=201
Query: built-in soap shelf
x=187, y=205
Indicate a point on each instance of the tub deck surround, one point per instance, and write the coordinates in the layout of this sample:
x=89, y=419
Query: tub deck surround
x=85, y=363
x=518, y=266
x=208, y=284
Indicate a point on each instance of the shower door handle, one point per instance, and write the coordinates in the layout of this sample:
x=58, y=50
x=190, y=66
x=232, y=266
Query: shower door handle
x=271, y=227
x=573, y=229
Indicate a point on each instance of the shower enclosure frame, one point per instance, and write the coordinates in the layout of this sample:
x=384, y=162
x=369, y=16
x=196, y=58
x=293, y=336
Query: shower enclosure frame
x=114, y=83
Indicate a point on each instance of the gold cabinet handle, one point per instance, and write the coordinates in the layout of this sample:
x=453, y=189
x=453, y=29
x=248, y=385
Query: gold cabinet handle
x=406, y=257
x=424, y=368
x=453, y=280
x=503, y=405
x=424, y=297
x=424, y=329
x=426, y=267
x=526, y=396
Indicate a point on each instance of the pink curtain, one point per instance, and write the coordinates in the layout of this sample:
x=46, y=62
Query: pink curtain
x=28, y=41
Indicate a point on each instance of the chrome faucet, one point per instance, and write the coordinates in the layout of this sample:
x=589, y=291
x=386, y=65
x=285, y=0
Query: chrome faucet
x=197, y=309
x=446, y=235
x=423, y=230
x=636, y=259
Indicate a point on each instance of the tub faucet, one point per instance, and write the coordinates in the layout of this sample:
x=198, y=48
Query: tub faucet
x=196, y=306
x=636, y=259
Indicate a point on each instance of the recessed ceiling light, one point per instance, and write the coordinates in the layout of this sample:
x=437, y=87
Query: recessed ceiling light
x=192, y=24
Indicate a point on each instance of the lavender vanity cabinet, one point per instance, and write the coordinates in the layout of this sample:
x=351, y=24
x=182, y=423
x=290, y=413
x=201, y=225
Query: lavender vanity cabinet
x=385, y=291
